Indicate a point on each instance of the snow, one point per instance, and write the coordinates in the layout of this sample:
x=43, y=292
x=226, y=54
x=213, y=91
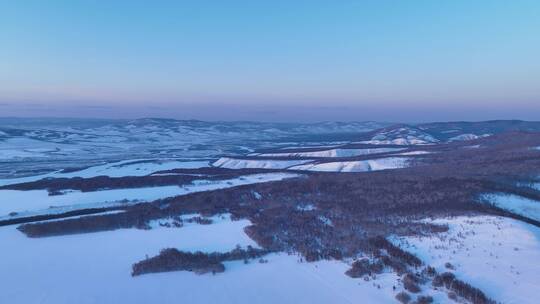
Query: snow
x=95, y=268
x=397, y=141
x=464, y=137
x=30, y=202
x=332, y=153
x=356, y=166
x=7, y=154
x=61, y=142
x=325, y=220
x=402, y=136
x=234, y=163
x=415, y=153
x=257, y=195
x=516, y=204
x=494, y=254
x=49, y=270
x=131, y=167
x=17, y=148
x=307, y=207
x=310, y=146
x=135, y=168
x=39, y=200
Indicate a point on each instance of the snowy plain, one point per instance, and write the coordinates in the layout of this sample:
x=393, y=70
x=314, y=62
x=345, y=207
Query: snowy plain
x=131, y=167
x=105, y=259
x=516, y=204
x=38, y=201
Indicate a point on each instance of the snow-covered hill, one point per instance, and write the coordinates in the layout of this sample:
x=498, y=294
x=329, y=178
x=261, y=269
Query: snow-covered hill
x=492, y=253
x=237, y=163
x=62, y=143
x=467, y=137
x=401, y=135
x=356, y=166
x=339, y=152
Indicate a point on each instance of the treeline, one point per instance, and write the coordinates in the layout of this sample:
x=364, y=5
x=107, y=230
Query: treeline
x=385, y=254
x=172, y=259
x=381, y=243
x=460, y=288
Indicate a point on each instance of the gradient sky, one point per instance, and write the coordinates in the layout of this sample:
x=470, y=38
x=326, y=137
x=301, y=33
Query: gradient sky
x=271, y=60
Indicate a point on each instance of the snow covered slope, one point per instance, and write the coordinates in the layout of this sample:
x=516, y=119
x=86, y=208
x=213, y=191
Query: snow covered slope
x=332, y=153
x=356, y=166
x=236, y=163
x=494, y=254
x=401, y=135
x=469, y=136
x=516, y=204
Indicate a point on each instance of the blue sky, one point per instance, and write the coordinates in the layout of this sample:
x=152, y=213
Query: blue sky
x=271, y=60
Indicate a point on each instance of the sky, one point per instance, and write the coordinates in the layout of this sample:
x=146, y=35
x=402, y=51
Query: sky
x=409, y=61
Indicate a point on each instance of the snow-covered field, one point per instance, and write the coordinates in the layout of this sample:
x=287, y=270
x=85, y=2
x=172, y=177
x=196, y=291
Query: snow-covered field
x=516, y=204
x=414, y=153
x=131, y=167
x=95, y=268
x=332, y=153
x=7, y=154
x=234, y=163
x=27, y=147
x=135, y=168
x=496, y=254
x=356, y=166
x=38, y=201
x=397, y=141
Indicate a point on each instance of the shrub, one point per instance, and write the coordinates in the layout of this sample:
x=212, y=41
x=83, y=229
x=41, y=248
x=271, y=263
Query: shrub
x=403, y=297
x=364, y=267
x=410, y=283
x=429, y=271
x=424, y=300
x=395, y=264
